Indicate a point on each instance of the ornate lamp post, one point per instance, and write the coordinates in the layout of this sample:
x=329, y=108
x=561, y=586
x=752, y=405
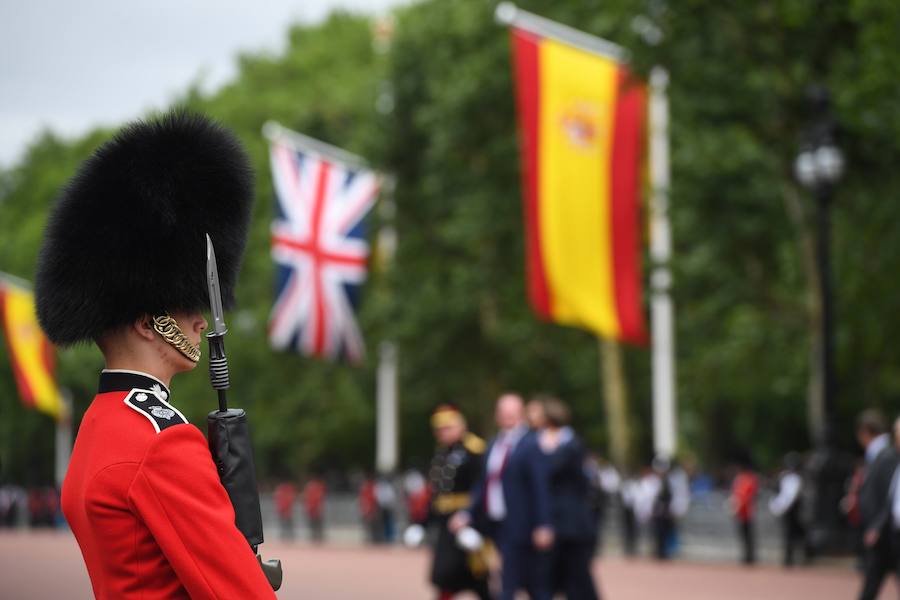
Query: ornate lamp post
x=818, y=167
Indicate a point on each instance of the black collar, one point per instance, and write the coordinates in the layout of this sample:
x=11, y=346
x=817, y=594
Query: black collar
x=119, y=380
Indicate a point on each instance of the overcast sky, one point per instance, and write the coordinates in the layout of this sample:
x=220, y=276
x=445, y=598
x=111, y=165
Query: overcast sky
x=72, y=65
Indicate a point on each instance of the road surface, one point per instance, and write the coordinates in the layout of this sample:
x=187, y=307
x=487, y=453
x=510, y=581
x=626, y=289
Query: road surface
x=48, y=565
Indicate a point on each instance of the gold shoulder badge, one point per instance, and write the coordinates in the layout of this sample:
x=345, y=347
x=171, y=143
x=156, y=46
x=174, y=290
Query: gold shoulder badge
x=474, y=444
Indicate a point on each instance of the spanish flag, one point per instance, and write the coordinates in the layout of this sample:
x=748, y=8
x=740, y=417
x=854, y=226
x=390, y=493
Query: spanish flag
x=31, y=354
x=581, y=122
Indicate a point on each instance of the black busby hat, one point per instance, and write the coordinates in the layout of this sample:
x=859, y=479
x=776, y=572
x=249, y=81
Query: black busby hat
x=127, y=235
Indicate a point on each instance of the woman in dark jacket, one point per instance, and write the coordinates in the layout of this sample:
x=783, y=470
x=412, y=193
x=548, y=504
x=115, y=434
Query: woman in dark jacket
x=573, y=522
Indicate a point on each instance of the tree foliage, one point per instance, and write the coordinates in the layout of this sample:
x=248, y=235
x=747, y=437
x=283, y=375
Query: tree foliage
x=454, y=298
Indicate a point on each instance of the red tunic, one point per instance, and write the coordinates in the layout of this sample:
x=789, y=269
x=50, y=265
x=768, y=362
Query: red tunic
x=145, y=503
x=314, y=498
x=743, y=492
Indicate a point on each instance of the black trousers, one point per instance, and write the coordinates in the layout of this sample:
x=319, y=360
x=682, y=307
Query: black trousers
x=316, y=529
x=880, y=561
x=629, y=531
x=748, y=541
x=572, y=569
x=663, y=529
x=794, y=537
x=524, y=567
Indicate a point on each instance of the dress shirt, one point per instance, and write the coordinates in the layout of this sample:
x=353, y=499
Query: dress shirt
x=500, y=452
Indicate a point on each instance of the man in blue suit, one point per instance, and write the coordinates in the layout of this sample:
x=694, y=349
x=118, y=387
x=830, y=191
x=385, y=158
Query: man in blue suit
x=512, y=499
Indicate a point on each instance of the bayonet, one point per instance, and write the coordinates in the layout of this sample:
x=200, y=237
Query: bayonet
x=218, y=364
x=215, y=291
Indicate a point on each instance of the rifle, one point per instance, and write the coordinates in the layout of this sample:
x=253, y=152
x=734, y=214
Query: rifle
x=229, y=433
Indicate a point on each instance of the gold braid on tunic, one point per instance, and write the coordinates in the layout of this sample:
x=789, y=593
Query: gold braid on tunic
x=168, y=329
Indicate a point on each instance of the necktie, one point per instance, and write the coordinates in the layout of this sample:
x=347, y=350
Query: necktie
x=496, y=503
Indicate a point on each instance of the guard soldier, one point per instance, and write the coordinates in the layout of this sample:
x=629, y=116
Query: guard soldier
x=460, y=561
x=123, y=265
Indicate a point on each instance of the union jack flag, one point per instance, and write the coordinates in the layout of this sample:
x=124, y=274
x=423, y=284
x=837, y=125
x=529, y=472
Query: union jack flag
x=320, y=249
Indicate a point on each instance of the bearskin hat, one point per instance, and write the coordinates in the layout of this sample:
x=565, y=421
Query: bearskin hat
x=127, y=235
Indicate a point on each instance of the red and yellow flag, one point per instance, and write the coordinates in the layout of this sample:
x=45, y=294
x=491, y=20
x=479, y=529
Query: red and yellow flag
x=31, y=354
x=581, y=121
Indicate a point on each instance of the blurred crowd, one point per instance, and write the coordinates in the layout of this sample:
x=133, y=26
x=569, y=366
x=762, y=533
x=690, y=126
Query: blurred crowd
x=36, y=506
x=537, y=501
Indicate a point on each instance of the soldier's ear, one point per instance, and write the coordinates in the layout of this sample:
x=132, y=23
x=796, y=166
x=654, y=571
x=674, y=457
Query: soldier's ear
x=143, y=326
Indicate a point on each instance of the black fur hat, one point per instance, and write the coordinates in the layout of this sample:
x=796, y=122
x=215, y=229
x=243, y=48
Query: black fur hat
x=127, y=236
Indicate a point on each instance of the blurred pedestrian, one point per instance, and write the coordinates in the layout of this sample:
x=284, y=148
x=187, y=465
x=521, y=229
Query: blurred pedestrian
x=646, y=491
x=680, y=485
x=742, y=500
x=8, y=506
x=314, y=505
x=628, y=498
x=284, y=496
x=457, y=466
x=418, y=496
x=787, y=505
x=386, y=499
x=513, y=498
x=15, y=500
x=850, y=507
x=670, y=503
x=604, y=484
x=43, y=504
x=874, y=501
x=368, y=510
x=573, y=523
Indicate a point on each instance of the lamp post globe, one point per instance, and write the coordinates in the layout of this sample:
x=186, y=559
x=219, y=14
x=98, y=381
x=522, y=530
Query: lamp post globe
x=829, y=163
x=805, y=169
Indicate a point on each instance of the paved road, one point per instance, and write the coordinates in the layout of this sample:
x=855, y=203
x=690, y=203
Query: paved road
x=48, y=565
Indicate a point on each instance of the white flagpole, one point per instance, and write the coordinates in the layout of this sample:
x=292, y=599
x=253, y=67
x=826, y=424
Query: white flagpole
x=386, y=439
x=661, y=308
x=387, y=435
x=509, y=14
x=63, y=439
x=274, y=132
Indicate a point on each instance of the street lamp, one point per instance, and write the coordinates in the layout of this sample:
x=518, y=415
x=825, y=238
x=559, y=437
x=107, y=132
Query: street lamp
x=818, y=167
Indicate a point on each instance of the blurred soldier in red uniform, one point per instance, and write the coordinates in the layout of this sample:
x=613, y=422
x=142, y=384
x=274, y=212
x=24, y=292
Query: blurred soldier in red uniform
x=284, y=496
x=123, y=264
x=314, y=502
x=743, y=496
x=368, y=510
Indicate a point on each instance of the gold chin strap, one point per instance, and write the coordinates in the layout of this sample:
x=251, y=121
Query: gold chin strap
x=168, y=328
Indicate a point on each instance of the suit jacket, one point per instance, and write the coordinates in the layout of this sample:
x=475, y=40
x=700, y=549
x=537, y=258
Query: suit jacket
x=874, y=501
x=526, y=491
x=569, y=491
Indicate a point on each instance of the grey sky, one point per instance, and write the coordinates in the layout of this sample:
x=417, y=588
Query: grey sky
x=69, y=66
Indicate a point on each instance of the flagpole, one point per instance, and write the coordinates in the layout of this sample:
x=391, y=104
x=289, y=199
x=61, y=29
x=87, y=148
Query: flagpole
x=16, y=281
x=615, y=396
x=387, y=435
x=275, y=132
x=63, y=451
x=661, y=307
x=509, y=14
